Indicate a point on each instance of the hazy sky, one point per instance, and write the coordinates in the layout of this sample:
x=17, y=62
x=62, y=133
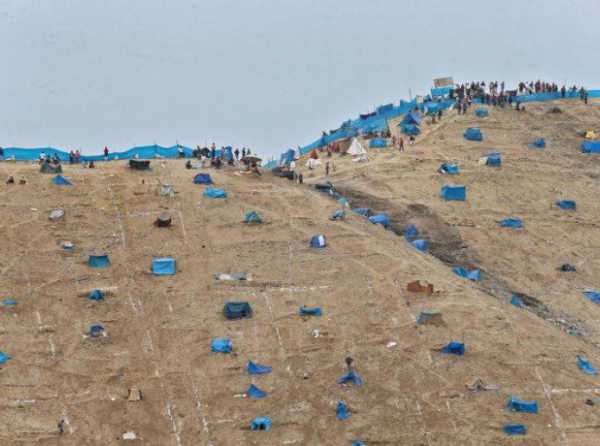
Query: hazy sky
x=266, y=74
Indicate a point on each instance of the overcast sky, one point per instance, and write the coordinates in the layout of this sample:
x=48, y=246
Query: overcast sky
x=265, y=74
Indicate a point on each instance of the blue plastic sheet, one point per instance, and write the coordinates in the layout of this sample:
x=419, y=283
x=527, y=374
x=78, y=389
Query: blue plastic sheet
x=454, y=193
x=96, y=295
x=440, y=91
x=237, y=310
x=516, y=405
x=590, y=147
x=481, y=113
x=585, y=366
x=515, y=429
x=420, y=245
x=380, y=219
x=594, y=296
x=410, y=129
x=516, y=301
x=9, y=302
x=449, y=169
x=365, y=212
x=202, y=178
x=493, y=160
x=411, y=233
x=164, y=266
x=261, y=424
x=341, y=411
x=59, y=180
x=255, y=392
x=378, y=143
x=213, y=192
x=96, y=330
x=338, y=215
x=4, y=358
x=516, y=223
x=412, y=118
x=318, y=241
x=454, y=348
x=567, y=205
x=252, y=217
x=307, y=311
x=258, y=369
x=539, y=143
x=473, y=134
x=474, y=275
x=99, y=261
x=221, y=345
x=350, y=377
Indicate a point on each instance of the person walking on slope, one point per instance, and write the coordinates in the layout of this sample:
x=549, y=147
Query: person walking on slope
x=106, y=152
x=327, y=168
x=401, y=144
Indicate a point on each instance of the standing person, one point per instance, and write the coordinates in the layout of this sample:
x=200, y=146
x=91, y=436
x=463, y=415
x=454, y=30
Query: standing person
x=563, y=92
x=243, y=152
x=236, y=152
x=326, y=168
x=1, y=153
x=106, y=152
x=401, y=144
x=213, y=151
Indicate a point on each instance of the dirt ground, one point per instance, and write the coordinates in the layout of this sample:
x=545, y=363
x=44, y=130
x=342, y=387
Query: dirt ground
x=159, y=328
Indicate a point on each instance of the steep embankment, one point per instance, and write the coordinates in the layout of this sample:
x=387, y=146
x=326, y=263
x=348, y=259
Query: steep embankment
x=159, y=328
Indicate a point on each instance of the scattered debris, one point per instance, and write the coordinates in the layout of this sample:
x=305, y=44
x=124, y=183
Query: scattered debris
x=478, y=385
x=57, y=214
x=418, y=287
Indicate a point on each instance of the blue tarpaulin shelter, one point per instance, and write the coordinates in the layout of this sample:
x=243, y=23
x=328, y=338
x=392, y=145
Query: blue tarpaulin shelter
x=258, y=369
x=380, y=219
x=365, y=212
x=590, y=147
x=567, y=205
x=213, y=192
x=59, y=180
x=493, y=160
x=4, y=358
x=516, y=223
x=338, y=215
x=516, y=405
x=261, y=424
x=449, y=169
x=539, y=143
x=378, y=143
x=411, y=233
x=202, y=178
x=474, y=275
x=454, y=348
x=96, y=330
x=516, y=301
x=287, y=157
x=592, y=295
x=350, y=377
x=252, y=217
x=310, y=311
x=221, y=345
x=99, y=261
x=420, y=245
x=481, y=112
x=585, y=366
x=412, y=118
x=255, y=392
x=515, y=429
x=454, y=192
x=473, y=134
x=410, y=129
x=164, y=266
x=318, y=241
x=440, y=91
x=237, y=310
x=96, y=295
x=9, y=302
x=341, y=411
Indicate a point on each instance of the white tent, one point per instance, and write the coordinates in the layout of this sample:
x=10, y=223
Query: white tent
x=357, y=151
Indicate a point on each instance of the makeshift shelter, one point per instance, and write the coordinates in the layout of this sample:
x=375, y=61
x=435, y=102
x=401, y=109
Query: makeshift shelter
x=287, y=157
x=380, y=219
x=212, y=192
x=202, y=178
x=420, y=245
x=96, y=330
x=449, y=169
x=48, y=167
x=307, y=311
x=221, y=345
x=9, y=302
x=237, y=310
x=234, y=277
x=410, y=129
x=339, y=214
x=4, y=357
x=163, y=220
x=350, y=377
x=341, y=411
x=318, y=241
x=515, y=223
x=139, y=164
x=585, y=366
x=473, y=134
x=567, y=268
x=567, y=205
x=413, y=118
x=96, y=295
x=258, y=369
x=539, y=143
x=516, y=405
x=430, y=317
x=59, y=180
x=356, y=150
x=481, y=112
x=418, y=287
x=365, y=212
x=474, y=274
x=252, y=217
x=493, y=160
x=163, y=266
x=378, y=143
x=261, y=424
x=454, y=192
x=255, y=393
x=590, y=147
x=454, y=348
x=99, y=261
x=515, y=429
x=592, y=295
x=411, y=233
x=516, y=301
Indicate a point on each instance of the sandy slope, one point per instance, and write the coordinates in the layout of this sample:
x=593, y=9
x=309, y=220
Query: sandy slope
x=160, y=328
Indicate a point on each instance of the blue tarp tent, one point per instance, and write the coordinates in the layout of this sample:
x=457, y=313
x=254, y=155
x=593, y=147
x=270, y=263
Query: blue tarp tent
x=96, y=295
x=474, y=275
x=567, y=205
x=412, y=118
x=440, y=91
x=585, y=366
x=341, y=411
x=411, y=233
x=202, y=178
x=221, y=345
x=4, y=358
x=481, y=113
x=454, y=193
x=252, y=217
x=378, y=143
x=493, y=160
x=261, y=424
x=258, y=369
x=365, y=212
x=99, y=261
x=212, y=192
x=515, y=429
x=516, y=223
x=228, y=153
x=164, y=266
x=410, y=129
x=318, y=241
x=288, y=157
x=420, y=245
x=516, y=405
x=449, y=169
x=516, y=301
x=473, y=134
x=9, y=302
x=380, y=219
x=314, y=311
x=539, y=143
x=237, y=310
x=95, y=330
x=454, y=348
x=350, y=377
x=255, y=392
x=592, y=295
x=59, y=180
x=590, y=147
